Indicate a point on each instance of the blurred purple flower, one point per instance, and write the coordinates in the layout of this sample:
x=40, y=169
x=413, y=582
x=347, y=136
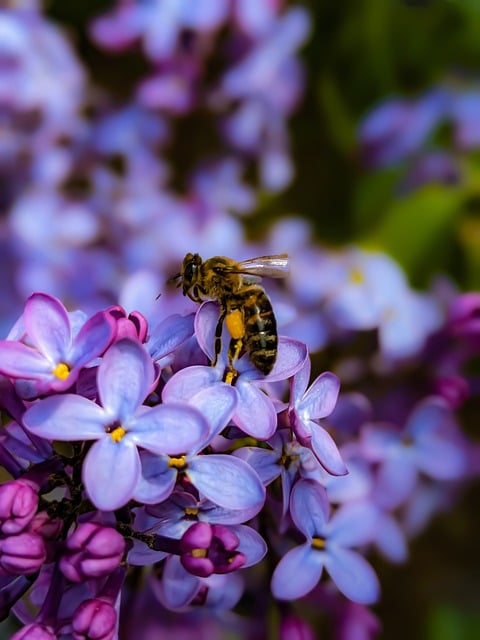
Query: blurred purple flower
x=430, y=443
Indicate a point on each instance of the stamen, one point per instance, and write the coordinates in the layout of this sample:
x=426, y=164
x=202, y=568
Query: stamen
x=318, y=543
x=61, y=371
x=199, y=553
x=117, y=433
x=191, y=511
x=177, y=463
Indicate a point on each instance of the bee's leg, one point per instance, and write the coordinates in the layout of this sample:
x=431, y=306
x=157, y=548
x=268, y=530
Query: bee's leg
x=234, y=350
x=236, y=326
x=218, y=335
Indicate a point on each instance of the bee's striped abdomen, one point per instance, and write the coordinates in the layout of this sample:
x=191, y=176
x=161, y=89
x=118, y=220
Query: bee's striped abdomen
x=261, y=339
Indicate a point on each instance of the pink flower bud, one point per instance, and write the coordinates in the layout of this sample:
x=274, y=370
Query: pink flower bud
x=93, y=551
x=22, y=554
x=94, y=619
x=18, y=505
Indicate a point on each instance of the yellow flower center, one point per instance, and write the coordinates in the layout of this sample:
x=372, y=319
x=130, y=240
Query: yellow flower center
x=356, y=276
x=318, y=543
x=117, y=433
x=61, y=371
x=190, y=511
x=199, y=553
x=177, y=463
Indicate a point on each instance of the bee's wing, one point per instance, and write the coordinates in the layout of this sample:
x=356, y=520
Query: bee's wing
x=276, y=266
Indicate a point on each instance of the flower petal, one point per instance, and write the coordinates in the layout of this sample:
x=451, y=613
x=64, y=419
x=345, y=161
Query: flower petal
x=299, y=383
x=321, y=398
x=251, y=544
x=66, y=417
x=254, y=413
x=92, y=339
x=124, y=378
x=309, y=507
x=19, y=361
x=326, y=450
x=226, y=481
x=171, y=428
x=110, y=472
x=297, y=573
x=170, y=334
x=48, y=326
x=291, y=355
x=157, y=479
x=188, y=382
x=353, y=575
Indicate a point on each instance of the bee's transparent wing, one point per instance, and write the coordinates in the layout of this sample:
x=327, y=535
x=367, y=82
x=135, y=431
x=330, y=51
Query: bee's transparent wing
x=276, y=266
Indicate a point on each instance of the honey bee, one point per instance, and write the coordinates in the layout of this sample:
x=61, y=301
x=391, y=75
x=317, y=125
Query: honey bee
x=244, y=306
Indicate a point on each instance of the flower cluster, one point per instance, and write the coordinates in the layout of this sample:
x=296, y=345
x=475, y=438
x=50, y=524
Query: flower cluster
x=127, y=449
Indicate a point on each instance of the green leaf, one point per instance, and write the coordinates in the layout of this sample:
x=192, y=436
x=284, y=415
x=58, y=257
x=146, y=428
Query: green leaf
x=418, y=229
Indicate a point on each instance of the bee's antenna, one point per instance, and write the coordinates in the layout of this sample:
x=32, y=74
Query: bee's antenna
x=174, y=278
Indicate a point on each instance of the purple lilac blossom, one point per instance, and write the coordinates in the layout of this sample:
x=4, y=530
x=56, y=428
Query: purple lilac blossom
x=328, y=543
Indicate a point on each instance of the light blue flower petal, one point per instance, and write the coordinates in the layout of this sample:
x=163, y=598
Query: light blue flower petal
x=251, y=544
x=327, y=451
x=299, y=383
x=353, y=575
x=177, y=588
x=255, y=413
x=265, y=462
x=169, y=334
x=157, y=479
x=309, y=507
x=226, y=481
x=171, y=428
x=297, y=573
x=124, y=378
x=189, y=381
x=110, y=473
x=66, y=417
x=353, y=524
x=320, y=399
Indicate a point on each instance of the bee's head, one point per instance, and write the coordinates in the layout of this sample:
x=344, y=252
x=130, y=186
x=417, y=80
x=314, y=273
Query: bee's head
x=187, y=277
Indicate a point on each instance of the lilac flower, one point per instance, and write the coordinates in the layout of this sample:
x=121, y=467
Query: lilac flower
x=121, y=425
x=430, y=443
x=327, y=545
x=287, y=458
x=315, y=403
x=54, y=356
x=255, y=412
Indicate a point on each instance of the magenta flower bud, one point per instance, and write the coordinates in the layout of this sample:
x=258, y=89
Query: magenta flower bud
x=22, y=554
x=134, y=325
x=92, y=551
x=45, y=526
x=35, y=631
x=94, y=619
x=18, y=505
x=294, y=628
x=208, y=549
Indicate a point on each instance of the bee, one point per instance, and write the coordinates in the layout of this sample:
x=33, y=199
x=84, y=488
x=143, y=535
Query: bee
x=244, y=306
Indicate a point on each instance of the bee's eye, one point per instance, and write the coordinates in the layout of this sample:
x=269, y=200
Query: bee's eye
x=189, y=271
